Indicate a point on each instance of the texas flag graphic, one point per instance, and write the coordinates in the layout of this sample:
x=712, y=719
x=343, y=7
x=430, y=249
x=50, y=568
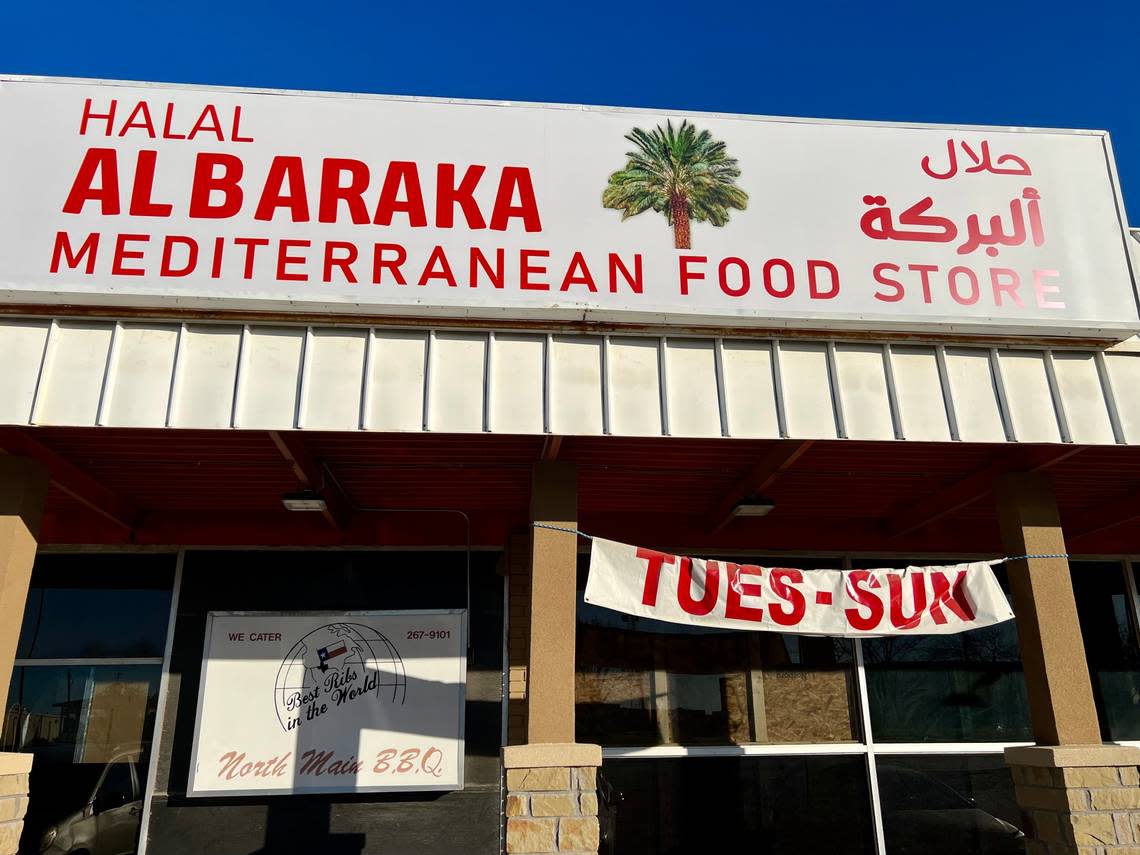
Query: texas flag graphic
x=324, y=654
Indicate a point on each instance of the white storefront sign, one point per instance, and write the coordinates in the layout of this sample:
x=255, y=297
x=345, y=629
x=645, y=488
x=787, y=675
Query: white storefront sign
x=177, y=197
x=330, y=703
x=872, y=602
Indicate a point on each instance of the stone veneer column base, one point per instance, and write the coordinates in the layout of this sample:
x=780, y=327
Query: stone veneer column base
x=1078, y=799
x=14, y=770
x=552, y=798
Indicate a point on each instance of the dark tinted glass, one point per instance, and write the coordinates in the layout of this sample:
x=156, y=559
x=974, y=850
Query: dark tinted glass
x=82, y=606
x=967, y=687
x=1110, y=645
x=116, y=788
x=935, y=805
x=80, y=714
x=645, y=682
x=78, y=722
x=757, y=805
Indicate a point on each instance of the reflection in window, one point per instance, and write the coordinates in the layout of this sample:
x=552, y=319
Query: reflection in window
x=1110, y=645
x=967, y=687
x=89, y=722
x=764, y=805
x=83, y=723
x=90, y=606
x=646, y=682
x=80, y=714
x=934, y=805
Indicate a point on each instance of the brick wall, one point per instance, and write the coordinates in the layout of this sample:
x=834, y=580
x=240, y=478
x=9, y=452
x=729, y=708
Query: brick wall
x=552, y=811
x=552, y=799
x=14, y=769
x=1081, y=809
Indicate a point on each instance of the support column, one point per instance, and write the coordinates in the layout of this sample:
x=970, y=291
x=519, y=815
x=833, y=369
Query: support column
x=552, y=799
x=552, y=792
x=23, y=488
x=553, y=603
x=1061, y=702
x=1077, y=795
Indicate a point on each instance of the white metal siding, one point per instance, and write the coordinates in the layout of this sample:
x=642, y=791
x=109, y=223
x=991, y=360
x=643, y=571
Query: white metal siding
x=216, y=375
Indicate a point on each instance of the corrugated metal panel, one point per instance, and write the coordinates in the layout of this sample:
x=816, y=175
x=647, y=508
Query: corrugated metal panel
x=215, y=375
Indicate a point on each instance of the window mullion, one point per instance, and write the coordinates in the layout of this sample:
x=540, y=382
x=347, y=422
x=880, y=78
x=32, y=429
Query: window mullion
x=1133, y=598
x=864, y=706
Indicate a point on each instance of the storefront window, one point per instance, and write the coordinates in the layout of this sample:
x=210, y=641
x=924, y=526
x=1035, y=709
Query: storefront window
x=97, y=606
x=84, y=694
x=1110, y=645
x=644, y=682
x=80, y=715
x=967, y=687
x=939, y=805
x=768, y=805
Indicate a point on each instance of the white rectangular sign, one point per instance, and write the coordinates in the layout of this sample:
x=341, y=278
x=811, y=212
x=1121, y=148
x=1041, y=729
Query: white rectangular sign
x=176, y=197
x=679, y=589
x=316, y=702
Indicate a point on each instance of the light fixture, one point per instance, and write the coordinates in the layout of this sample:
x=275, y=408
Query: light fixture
x=305, y=500
x=752, y=508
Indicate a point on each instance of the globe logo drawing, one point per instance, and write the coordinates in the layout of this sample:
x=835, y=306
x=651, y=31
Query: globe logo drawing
x=335, y=660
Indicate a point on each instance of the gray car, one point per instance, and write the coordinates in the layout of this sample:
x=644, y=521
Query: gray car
x=108, y=824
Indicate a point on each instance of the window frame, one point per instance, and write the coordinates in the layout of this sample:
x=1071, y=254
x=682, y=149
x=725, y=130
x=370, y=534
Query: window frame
x=866, y=745
x=145, y=793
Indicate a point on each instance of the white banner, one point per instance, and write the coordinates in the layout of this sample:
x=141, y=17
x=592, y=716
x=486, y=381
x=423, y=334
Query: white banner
x=180, y=197
x=312, y=702
x=679, y=589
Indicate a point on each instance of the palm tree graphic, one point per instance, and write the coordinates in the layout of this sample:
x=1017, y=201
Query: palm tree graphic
x=682, y=173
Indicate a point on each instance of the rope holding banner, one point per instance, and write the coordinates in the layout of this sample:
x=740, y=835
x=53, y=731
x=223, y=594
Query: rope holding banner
x=561, y=528
x=991, y=562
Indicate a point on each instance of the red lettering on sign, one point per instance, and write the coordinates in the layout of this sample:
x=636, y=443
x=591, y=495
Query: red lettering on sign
x=895, y=586
x=525, y=282
x=710, y=582
x=737, y=588
x=859, y=583
x=139, y=118
x=101, y=163
x=448, y=194
x=284, y=259
x=274, y=195
x=688, y=275
x=634, y=280
x=73, y=259
x=168, y=268
x=380, y=263
x=141, y=204
x=949, y=594
x=109, y=116
x=577, y=273
x=401, y=173
x=653, y=573
x=515, y=178
x=437, y=259
x=479, y=261
x=122, y=255
x=206, y=183
x=333, y=192
x=342, y=262
x=793, y=613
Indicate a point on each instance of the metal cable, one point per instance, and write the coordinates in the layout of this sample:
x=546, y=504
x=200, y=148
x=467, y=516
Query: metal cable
x=990, y=562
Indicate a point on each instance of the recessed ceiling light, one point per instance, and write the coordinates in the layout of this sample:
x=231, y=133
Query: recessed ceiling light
x=752, y=508
x=306, y=500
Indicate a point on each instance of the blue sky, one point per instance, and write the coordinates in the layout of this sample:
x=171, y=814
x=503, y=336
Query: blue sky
x=1046, y=63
